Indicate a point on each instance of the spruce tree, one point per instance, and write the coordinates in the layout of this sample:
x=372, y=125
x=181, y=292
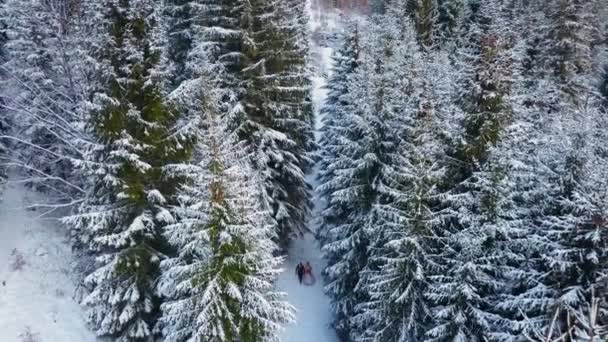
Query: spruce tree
x=523, y=151
x=5, y=127
x=261, y=49
x=474, y=251
x=179, y=21
x=570, y=52
x=572, y=219
x=5, y=123
x=220, y=284
x=220, y=41
x=360, y=165
x=426, y=22
x=403, y=259
x=129, y=188
x=278, y=116
x=335, y=113
x=564, y=159
x=452, y=14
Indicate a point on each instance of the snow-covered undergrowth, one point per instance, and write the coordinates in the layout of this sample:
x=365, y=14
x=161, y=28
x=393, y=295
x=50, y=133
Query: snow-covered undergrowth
x=36, y=282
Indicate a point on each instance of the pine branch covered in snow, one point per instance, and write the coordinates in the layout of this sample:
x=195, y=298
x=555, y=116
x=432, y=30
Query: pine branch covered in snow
x=44, y=90
x=277, y=108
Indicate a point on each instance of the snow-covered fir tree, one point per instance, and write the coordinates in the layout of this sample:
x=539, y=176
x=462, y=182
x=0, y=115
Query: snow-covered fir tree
x=348, y=194
x=278, y=110
x=452, y=13
x=564, y=160
x=5, y=127
x=573, y=218
x=335, y=112
x=361, y=161
x=129, y=189
x=403, y=259
x=220, y=284
x=261, y=50
x=5, y=124
x=465, y=294
x=179, y=21
x=219, y=40
x=427, y=22
x=524, y=149
x=570, y=35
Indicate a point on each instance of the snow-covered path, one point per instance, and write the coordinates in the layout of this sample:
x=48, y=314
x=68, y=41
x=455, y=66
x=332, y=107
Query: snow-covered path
x=313, y=317
x=35, y=286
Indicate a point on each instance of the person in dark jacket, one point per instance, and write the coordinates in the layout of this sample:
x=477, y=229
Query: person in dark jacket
x=300, y=271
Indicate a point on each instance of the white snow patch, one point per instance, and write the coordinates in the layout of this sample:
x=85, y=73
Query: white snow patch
x=36, y=288
x=313, y=316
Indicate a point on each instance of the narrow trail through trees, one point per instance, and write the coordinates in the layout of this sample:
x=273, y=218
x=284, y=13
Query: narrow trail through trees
x=313, y=317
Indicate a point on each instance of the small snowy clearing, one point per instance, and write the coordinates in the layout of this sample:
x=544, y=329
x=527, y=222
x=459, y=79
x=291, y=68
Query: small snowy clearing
x=36, y=285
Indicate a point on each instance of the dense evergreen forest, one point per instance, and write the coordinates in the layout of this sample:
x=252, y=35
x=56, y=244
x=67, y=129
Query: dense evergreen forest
x=462, y=164
x=464, y=170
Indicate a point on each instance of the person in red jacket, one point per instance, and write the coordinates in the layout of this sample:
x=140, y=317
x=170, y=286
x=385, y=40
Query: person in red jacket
x=308, y=271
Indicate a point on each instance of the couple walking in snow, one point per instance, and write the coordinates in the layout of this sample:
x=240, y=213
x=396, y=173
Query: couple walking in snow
x=304, y=273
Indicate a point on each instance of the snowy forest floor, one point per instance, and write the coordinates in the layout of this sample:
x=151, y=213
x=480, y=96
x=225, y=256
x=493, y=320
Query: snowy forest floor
x=313, y=315
x=36, y=285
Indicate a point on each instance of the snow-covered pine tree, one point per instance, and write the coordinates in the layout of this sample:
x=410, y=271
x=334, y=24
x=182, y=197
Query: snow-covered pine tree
x=427, y=15
x=402, y=259
x=362, y=157
x=5, y=123
x=574, y=262
x=570, y=52
x=220, y=41
x=220, y=286
x=524, y=149
x=452, y=13
x=569, y=101
x=465, y=294
x=44, y=89
x=424, y=14
x=335, y=114
x=261, y=49
x=179, y=21
x=278, y=118
x=5, y=128
x=129, y=188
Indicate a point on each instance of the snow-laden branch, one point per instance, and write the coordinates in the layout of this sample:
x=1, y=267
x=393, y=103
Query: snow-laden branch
x=35, y=146
x=45, y=176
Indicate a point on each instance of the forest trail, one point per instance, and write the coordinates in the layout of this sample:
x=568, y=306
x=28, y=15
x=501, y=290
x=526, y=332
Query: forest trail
x=313, y=317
